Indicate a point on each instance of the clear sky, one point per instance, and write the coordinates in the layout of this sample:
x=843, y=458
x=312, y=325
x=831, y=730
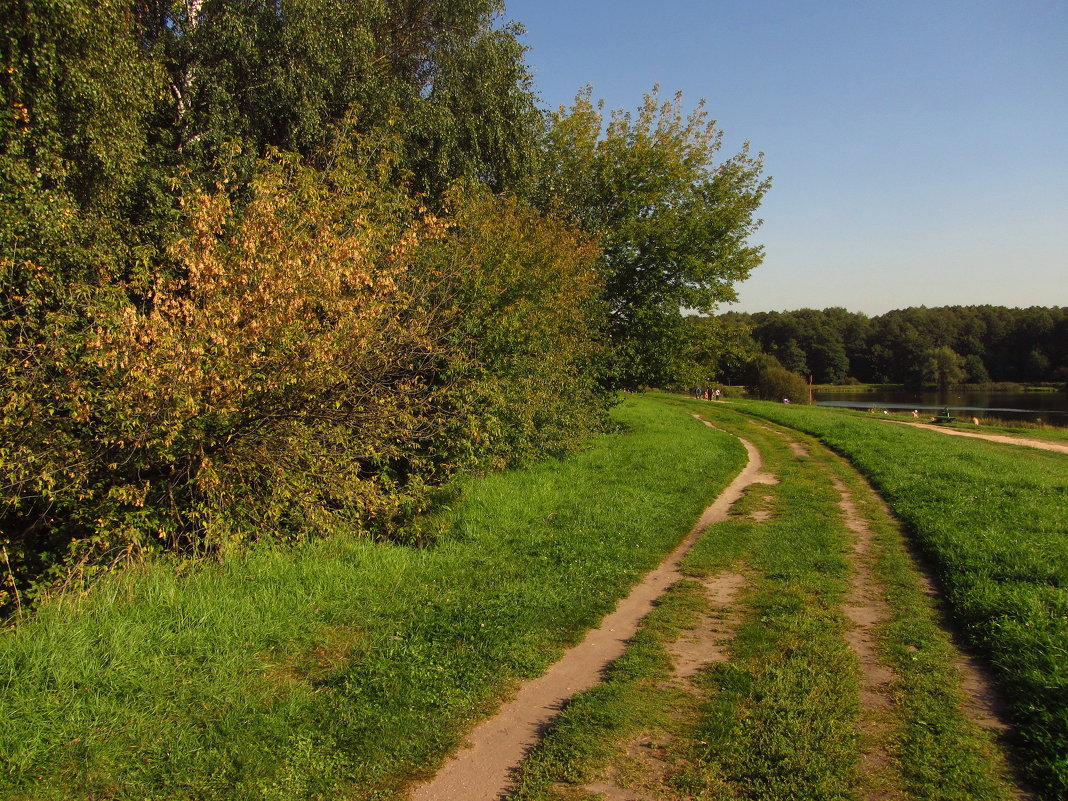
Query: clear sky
x=918, y=148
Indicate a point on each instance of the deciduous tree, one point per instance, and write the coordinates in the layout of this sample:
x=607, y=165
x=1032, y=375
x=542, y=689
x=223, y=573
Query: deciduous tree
x=673, y=221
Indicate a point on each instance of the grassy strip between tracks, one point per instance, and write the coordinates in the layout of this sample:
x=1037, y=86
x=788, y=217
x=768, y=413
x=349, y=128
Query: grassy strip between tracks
x=343, y=669
x=780, y=719
x=992, y=522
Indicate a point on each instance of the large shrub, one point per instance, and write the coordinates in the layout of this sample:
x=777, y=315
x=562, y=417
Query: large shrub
x=272, y=379
x=767, y=379
x=524, y=340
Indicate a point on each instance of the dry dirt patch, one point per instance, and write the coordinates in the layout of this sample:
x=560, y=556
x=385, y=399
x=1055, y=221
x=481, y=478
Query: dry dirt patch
x=704, y=644
x=707, y=642
x=866, y=608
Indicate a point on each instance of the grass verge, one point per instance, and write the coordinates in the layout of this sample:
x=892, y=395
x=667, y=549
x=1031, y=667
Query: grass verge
x=344, y=669
x=990, y=425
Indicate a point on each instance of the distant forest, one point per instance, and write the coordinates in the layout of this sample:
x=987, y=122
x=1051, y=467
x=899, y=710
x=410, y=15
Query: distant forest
x=970, y=344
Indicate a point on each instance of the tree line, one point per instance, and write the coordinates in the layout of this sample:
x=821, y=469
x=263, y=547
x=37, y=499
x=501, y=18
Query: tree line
x=914, y=346
x=275, y=269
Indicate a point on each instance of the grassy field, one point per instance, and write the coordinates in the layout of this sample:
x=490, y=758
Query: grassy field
x=782, y=718
x=345, y=668
x=992, y=521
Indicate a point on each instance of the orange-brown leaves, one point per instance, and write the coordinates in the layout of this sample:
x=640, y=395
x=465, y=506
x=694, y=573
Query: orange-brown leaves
x=275, y=379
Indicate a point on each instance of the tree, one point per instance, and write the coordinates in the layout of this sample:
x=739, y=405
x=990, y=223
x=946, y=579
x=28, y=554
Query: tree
x=75, y=92
x=974, y=369
x=944, y=367
x=792, y=357
x=674, y=223
x=434, y=75
x=713, y=349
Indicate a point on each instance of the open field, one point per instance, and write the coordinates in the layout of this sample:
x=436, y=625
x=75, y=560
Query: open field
x=991, y=520
x=786, y=704
x=343, y=669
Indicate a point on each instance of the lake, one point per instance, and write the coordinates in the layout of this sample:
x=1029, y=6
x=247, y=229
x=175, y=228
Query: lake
x=1047, y=407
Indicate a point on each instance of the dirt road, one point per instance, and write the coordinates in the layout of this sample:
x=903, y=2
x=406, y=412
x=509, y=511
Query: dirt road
x=481, y=770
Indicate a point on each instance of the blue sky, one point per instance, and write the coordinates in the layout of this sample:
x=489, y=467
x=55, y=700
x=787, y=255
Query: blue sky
x=919, y=150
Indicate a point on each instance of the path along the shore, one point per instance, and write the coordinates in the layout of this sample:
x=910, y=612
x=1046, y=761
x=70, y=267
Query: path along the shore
x=1002, y=438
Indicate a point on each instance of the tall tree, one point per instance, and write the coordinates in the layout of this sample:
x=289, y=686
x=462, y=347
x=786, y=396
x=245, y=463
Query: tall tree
x=436, y=76
x=673, y=220
x=944, y=367
x=75, y=91
x=714, y=349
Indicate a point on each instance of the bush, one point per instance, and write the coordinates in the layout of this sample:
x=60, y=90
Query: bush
x=273, y=380
x=778, y=383
x=523, y=287
x=314, y=359
x=767, y=379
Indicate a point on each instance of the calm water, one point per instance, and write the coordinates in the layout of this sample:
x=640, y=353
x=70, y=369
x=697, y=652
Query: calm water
x=1049, y=407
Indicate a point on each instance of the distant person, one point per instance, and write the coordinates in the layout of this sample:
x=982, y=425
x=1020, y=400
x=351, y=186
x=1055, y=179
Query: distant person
x=915, y=412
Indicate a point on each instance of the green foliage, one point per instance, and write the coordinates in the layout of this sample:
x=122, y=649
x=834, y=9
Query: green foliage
x=523, y=292
x=974, y=370
x=76, y=91
x=712, y=349
x=212, y=328
x=767, y=379
x=674, y=223
x=436, y=76
x=226, y=313
x=269, y=385
x=944, y=367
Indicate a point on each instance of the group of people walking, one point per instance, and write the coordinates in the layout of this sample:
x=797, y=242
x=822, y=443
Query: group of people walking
x=706, y=394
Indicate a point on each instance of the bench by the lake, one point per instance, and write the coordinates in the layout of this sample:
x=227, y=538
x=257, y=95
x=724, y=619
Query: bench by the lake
x=943, y=417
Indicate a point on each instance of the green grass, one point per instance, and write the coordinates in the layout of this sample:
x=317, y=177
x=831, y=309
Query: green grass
x=779, y=720
x=344, y=668
x=992, y=520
